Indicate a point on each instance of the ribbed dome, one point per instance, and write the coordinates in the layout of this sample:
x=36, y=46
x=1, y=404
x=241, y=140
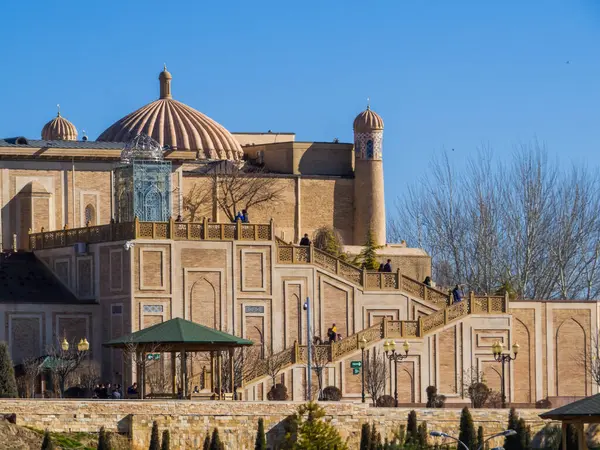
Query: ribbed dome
x=59, y=129
x=368, y=121
x=176, y=125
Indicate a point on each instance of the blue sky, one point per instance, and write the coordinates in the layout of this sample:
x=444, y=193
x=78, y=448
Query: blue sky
x=442, y=74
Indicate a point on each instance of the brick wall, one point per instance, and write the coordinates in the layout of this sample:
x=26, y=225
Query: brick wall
x=189, y=422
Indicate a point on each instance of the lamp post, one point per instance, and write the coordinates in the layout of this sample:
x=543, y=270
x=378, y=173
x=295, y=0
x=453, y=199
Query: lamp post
x=499, y=356
x=362, y=343
x=501, y=434
x=390, y=352
x=504, y=433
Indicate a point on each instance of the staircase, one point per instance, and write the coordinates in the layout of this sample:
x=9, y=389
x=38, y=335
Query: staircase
x=387, y=329
x=364, y=279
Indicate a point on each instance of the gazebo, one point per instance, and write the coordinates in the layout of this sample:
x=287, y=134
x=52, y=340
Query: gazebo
x=578, y=413
x=183, y=337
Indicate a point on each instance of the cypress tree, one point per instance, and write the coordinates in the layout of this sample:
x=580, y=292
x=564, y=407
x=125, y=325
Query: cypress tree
x=365, y=437
x=373, y=438
x=215, y=441
x=206, y=445
x=103, y=440
x=412, y=430
x=467, y=429
x=480, y=437
x=422, y=442
x=368, y=255
x=512, y=442
x=47, y=443
x=154, y=438
x=261, y=440
x=166, y=440
x=8, y=383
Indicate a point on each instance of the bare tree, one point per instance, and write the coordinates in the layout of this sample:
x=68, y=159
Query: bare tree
x=32, y=368
x=246, y=362
x=136, y=355
x=375, y=374
x=274, y=363
x=320, y=356
x=197, y=199
x=241, y=188
x=89, y=374
x=527, y=224
x=589, y=359
x=474, y=387
x=64, y=363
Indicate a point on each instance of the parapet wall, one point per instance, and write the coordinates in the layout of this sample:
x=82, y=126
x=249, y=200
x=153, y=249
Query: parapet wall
x=189, y=422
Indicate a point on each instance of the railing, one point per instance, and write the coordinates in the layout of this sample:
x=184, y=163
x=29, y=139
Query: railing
x=295, y=254
x=189, y=231
x=392, y=329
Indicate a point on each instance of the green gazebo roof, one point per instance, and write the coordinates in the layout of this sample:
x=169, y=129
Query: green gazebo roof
x=180, y=334
x=589, y=406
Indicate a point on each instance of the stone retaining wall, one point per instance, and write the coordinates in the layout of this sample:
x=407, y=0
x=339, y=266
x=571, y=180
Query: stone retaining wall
x=189, y=422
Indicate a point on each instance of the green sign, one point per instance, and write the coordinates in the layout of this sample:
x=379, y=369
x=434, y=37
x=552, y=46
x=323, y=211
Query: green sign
x=153, y=356
x=355, y=371
x=356, y=364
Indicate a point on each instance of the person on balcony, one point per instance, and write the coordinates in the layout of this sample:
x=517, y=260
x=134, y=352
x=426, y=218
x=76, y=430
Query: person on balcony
x=457, y=294
x=388, y=266
x=427, y=281
x=305, y=240
x=381, y=267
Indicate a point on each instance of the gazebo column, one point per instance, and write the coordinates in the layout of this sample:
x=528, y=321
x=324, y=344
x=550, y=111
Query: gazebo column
x=212, y=371
x=174, y=371
x=563, y=445
x=220, y=374
x=232, y=373
x=581, y=440
x=183, y=373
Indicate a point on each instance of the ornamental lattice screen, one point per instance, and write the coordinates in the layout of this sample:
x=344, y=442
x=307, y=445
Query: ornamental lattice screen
x=142, y=184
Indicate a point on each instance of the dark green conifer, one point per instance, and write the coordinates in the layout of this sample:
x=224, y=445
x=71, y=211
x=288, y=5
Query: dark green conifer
x=8, y=383
x=47, y=443
x=166, y=440
x=261, y=439
x=103, y=440
x=412, y=429
x=365, y=437
x=467, y=429
x=154, y=437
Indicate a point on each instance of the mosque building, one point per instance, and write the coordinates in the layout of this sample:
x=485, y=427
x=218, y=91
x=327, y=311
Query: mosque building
x=102, y=238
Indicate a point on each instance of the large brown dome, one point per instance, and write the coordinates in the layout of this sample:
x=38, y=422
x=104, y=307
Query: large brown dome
x=177, y=126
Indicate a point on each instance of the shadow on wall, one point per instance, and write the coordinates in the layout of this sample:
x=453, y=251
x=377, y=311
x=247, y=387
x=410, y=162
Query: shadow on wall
x=326, y=159
x=343, y=210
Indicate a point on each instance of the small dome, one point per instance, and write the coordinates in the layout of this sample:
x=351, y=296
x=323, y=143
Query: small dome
x=141, y=147
x=368, y=121
x=59, y=129
x=176, y=125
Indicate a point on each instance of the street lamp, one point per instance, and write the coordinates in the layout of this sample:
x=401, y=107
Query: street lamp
x=362, y=343
x=504, y=433
x=83, y=345
x=390, y=352
x=445, y=435
x=64, y=345
x=499, y=356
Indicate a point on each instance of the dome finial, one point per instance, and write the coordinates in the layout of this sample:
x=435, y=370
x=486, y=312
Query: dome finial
x=368, y=103
x=58, y=107
x=165, y=83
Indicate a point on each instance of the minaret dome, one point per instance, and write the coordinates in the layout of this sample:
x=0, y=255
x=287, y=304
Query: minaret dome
x=59, y=129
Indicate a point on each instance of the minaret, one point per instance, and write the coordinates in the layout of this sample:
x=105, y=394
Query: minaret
x=165, y=83
x=369, y=202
